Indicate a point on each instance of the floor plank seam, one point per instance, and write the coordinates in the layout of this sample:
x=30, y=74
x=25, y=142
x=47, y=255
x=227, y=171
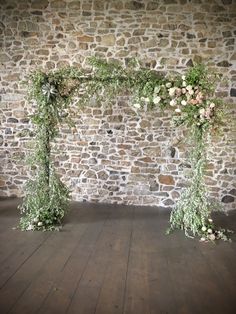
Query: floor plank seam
x=81, y=276
x=34, y=251
x=127, y=269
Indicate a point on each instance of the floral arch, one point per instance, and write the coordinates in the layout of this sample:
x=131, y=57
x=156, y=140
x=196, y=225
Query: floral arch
x=190, y=97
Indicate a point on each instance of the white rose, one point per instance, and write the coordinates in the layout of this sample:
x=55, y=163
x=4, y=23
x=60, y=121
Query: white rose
x=145, y=99
x=157, y=89
x=172, y=91
x=183, y=77
x=173, y=102
x=209, y=230
x=30, y=227
x=138, y=106
x=156, y=100
x=36, y=219
x=40, y=223
x=183, y=90
x=210, y=220
x=191, y=92
x=189, y=87
x=168, y=85
x=212, y=237
x=178, y=110
x=183, y=102
x=204, y=228
x=212, y=105
x=202, y=239
x=184, y=84
x=202, y=111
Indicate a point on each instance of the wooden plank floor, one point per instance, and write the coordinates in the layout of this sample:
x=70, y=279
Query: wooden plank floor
x=111, y=259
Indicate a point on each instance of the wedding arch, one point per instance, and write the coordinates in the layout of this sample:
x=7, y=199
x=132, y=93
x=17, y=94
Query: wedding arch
x=192, y=99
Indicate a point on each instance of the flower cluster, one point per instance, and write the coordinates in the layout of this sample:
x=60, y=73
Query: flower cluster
x=184, y=94
x=210, y=233
x=188, y=101
x=34, y=224
x=190, y=96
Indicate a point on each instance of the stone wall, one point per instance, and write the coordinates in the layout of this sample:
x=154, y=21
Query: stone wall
x=115, y=154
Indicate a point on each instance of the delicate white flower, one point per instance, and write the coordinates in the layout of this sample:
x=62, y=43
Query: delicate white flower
x=202, y=111
x=178, y=110
x=204, y=228
x=183, y=77
x=191, y=92
x=189, y=87
x=183, y=102
x=145, y=99
x=203, y=239
x=40, y=223
x=30, y=227
x=35, y=219
x=210, y=220
x=138, y=106
x=168, y=85
x=173, y=102
x=156, y=100
x=183, y=90
x=157, y=89
x=209, y=230
x=172, y=91
x=211, y=237
x=184, y=84
x=212, y=105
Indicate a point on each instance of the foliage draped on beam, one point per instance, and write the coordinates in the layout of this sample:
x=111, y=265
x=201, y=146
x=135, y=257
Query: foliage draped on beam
x=190, y=96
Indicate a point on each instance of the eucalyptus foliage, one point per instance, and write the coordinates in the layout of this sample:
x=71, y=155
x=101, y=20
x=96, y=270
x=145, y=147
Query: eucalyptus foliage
x=190, y=96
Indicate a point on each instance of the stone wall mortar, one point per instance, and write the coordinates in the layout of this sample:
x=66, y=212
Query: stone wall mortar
x=115, y=155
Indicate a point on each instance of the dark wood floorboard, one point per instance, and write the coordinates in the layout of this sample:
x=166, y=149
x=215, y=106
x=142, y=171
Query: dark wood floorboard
x=111, y=259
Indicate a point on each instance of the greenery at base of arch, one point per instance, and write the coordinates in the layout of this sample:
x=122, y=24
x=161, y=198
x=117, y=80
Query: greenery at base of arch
x=190, y=97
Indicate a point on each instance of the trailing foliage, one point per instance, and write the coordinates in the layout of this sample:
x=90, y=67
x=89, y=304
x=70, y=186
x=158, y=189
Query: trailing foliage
x=46, y=196
x=191, y=96
x=193, y=210
x=201, y=114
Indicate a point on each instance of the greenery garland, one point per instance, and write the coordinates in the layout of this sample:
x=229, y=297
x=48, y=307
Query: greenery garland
x=191, y=97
